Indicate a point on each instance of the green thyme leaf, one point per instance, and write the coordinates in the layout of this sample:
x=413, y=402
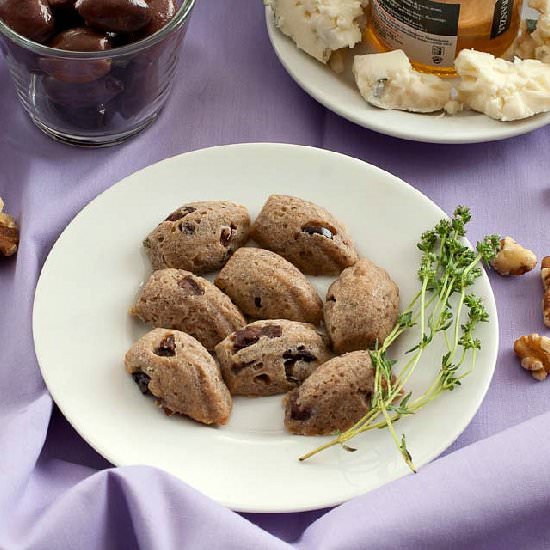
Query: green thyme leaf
x=444, y=309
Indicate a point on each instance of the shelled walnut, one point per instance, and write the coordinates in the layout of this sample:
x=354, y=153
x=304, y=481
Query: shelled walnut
x=534, y=352
x=545, y=274
x=9, y=233
x=513, y=259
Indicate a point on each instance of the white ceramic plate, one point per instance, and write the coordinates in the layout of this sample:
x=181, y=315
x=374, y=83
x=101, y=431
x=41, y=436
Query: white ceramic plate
x=339, y=94
x=82, y=330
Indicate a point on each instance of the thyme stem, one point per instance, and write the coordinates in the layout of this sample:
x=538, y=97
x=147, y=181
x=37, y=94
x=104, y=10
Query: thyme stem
x=447, y=267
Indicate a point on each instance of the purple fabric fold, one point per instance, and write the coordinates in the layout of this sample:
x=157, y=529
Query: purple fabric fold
x=493, y=494
x=135, y=507
x=490, y=490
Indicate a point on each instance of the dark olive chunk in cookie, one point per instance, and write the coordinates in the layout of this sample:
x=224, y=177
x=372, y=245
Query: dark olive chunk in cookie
x=270, y=357
x=336, y=395
x=266, y=286
x=199, y=236
x=176, y=369
x=177, y=299
x=305, y=234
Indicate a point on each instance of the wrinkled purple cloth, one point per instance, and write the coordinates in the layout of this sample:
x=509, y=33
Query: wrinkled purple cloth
x=490, y=490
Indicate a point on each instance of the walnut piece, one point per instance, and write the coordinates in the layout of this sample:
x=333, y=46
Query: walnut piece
x=534, y=352
x=513, y=259
x=545, y=274
x=9, y=234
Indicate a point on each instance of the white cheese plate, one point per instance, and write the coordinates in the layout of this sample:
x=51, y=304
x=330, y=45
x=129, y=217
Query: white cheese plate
x=82, y=330
x=339, y=93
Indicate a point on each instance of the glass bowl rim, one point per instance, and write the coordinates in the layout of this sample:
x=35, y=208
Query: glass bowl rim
x=179, y=18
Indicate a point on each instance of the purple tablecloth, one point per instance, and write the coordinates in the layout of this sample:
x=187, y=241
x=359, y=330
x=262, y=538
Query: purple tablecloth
x=491, y=490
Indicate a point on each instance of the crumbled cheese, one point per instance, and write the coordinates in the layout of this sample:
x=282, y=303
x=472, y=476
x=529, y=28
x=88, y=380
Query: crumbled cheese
x=524, y=47
x=535, y=43
x=320, y=27
x=337, y=62
x=453, y=107
x=388, y=80
x=501, y=89
x=541, y=35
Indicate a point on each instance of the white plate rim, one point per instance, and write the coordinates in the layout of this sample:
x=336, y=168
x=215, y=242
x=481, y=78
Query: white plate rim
x=445, y=444
x=506, y=131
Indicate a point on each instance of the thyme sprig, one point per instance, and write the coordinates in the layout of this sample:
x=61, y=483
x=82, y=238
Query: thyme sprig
x=448, y=268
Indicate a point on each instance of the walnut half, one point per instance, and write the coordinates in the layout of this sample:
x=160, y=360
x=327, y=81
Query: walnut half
x=9, y=234
x=513, y=259
x=545, y=274
x=534, y=352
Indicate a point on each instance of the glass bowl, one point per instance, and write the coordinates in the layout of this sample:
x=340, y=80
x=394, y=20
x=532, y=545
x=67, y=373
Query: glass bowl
x=96, y=98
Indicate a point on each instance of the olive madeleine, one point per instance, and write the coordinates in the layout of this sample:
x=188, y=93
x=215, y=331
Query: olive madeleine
x=265, y=286
x=305, y=234
x=336, y=395
x=361, y=308
x=199, y=236
x=270, y=357
x=177, y=299
x=177, y=370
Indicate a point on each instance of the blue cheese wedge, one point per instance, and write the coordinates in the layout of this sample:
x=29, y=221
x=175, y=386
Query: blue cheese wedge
x=320, y=27
x=502, y=89
x=388, y=80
